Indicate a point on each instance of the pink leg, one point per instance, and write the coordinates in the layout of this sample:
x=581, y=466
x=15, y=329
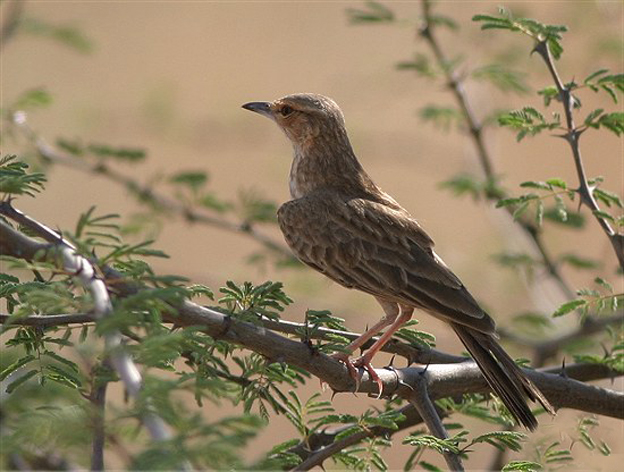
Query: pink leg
x=391, y=312
x=365, y=360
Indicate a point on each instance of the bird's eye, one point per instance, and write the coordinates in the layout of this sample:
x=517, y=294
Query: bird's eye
x=286, y=110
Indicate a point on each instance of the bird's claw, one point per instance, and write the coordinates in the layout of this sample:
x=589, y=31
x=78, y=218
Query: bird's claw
x=364, y=363
x=353, y=373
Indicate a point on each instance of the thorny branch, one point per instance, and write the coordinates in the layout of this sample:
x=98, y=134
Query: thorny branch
x=421, y=401
x=16, y=244
x=454, y=83
x=144, y=192
x=572, y=137
x=441, y=380
x=413, y=354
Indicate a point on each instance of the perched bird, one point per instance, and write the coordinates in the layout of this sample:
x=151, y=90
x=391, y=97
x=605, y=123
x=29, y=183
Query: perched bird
x=343, y=225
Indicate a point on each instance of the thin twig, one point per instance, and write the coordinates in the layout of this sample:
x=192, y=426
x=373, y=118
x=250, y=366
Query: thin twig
x=548, y=348
x=475, y=128
x=12, y=16
x=85, y=274
x=572, y=137
x=144, y=193
x=98, y=401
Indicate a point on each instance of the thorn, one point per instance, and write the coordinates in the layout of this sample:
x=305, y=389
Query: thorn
x=404, y=384
x=390, y=366
x=563, y=372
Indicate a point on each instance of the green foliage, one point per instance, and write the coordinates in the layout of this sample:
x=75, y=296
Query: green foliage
x=550, y=34
x=503, y=78
x=442, y=117
x=249, y=302
x=528, y=121
x=32, y=99
x=415, y=338
x=69, y=36
x=421, y=65
x=602, y=299
x=374, y=12
x=522, y=466
x=15, y=179
x=101, y=151
x=610, y=83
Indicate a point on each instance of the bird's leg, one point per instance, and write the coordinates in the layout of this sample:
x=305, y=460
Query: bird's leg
x=364, y=361
x=391, y=312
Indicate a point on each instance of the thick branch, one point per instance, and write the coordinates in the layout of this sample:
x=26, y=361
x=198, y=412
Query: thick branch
x=443, y=379
x=420, y=400
x=413, y=354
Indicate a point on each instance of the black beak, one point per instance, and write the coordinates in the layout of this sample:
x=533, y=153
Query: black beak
x=264, y=108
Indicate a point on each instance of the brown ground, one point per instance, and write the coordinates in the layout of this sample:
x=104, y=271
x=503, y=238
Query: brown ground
x=171, y=76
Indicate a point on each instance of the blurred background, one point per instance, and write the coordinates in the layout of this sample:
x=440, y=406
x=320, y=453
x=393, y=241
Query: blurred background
x=170, y=78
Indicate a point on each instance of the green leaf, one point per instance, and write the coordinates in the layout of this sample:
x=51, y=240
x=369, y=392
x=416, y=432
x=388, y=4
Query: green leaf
x=16, y=180
x=194, y=180
x=568, y=307
x=16, y=365
x=579, y=262
x=614, y=122
x=590, y=77
x=606, y=197
x=505, y=79
x=21, y=380
x=572, y=220
x=522, y=466
x=421, y=65
x=374, y=13
x=604, y=215
x=441, y=117
x=549, y=93
x=502, y=440
x=429, y=467
x=118, y=153
x=67, y=35
x=591, y=117
x=33, y=98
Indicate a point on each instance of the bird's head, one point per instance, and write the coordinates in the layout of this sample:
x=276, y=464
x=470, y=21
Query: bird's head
x=306, y=118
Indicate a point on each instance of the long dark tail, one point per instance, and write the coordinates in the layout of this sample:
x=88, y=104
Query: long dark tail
x=503, y=375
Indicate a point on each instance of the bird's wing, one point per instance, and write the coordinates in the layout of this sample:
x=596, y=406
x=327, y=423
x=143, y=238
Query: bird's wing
x=369, y=246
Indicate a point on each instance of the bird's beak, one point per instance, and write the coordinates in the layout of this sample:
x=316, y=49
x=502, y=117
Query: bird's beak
x=264, y=108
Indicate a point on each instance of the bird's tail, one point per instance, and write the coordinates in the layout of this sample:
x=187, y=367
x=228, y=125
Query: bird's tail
x=503, y=375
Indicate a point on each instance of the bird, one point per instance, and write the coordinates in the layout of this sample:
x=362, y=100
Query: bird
x=340, y=223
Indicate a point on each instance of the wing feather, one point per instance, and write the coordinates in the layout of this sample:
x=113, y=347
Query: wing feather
x=380, y=250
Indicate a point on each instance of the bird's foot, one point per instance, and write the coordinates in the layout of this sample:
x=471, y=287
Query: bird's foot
x=353, y=373
x=364, y=363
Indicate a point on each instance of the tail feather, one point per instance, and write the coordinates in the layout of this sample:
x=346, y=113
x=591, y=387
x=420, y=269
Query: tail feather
x=503, y=375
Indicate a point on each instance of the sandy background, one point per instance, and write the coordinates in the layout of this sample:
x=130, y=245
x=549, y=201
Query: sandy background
x=170, y=77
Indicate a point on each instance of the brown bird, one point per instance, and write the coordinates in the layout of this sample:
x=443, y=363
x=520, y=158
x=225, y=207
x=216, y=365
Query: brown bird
x=343, y=225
